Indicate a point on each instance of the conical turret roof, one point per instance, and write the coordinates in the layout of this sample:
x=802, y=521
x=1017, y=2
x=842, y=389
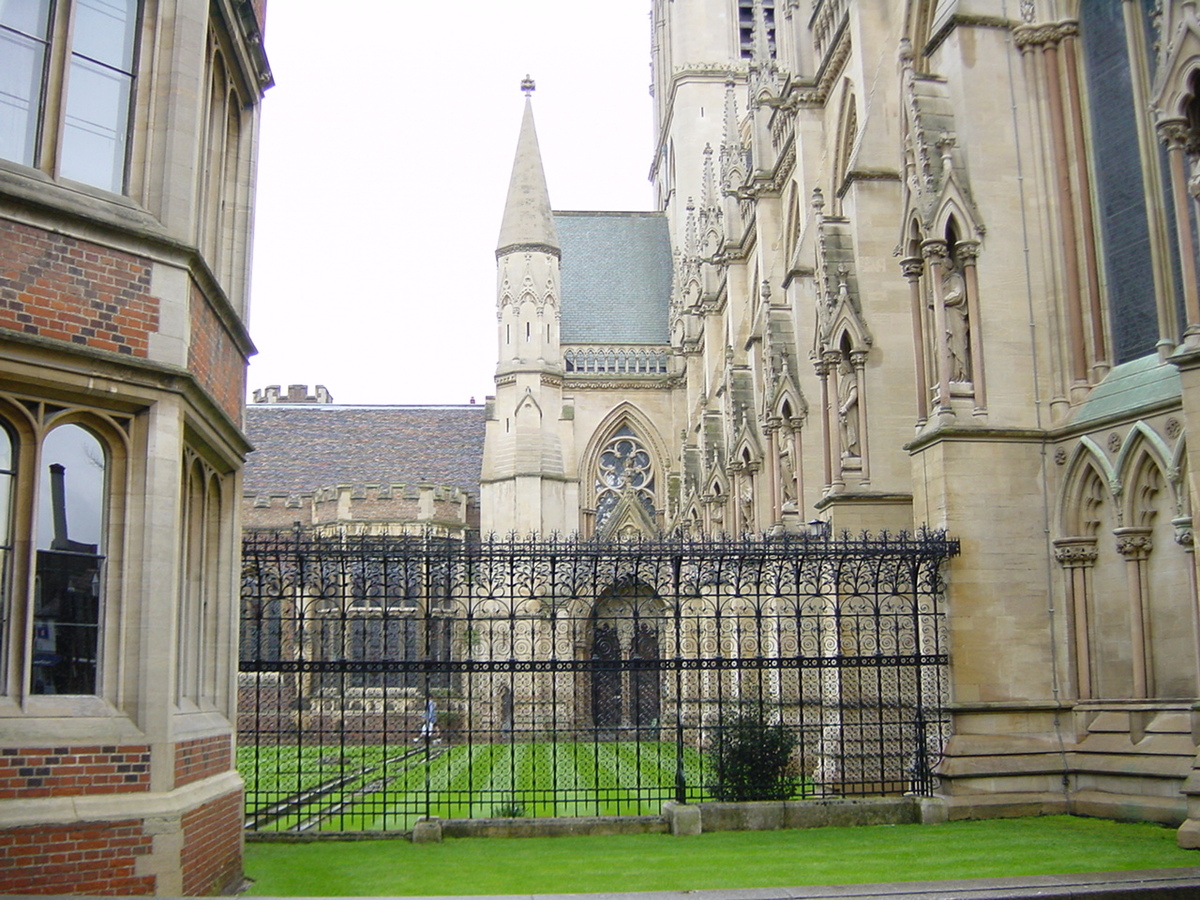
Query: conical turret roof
x=528, y=222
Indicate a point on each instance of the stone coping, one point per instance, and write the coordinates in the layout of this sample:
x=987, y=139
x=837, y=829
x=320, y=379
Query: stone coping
x=1148, y=884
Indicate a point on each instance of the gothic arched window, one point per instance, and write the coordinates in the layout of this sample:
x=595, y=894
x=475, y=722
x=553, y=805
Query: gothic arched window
x=624, y=467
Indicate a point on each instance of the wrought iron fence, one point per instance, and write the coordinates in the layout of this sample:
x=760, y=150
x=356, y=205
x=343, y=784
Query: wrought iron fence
x=383, y=679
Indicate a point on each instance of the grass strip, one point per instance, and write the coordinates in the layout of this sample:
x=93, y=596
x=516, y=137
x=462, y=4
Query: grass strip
x=979, y=849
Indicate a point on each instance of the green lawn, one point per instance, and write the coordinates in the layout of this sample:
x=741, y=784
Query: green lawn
x=351, y=792
x=994, y=848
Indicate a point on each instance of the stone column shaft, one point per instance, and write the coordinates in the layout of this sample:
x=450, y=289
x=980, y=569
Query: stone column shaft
x=1091, y=268
x=912, y=268
x=935, y=253
x=827, y=437
x=969, y=251
x=1066, y=204
x=1135, y=545
x=1174, y=134
x=859, y=360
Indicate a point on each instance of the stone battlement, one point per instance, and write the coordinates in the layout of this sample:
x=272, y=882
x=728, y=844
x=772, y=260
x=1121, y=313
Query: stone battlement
x=296, y=393
x=366, y=508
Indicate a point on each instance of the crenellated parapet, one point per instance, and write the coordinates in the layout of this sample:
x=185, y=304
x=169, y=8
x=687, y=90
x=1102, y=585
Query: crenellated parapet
x=366, y=509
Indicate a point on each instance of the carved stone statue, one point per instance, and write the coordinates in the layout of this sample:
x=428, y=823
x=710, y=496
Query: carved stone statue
x=848, y=408
x=958, y=324
x=787, y=475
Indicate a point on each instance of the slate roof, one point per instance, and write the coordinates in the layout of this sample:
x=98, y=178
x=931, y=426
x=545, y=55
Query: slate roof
x=616, y=277
x=302, y=447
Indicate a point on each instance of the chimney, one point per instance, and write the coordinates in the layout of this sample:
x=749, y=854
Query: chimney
x=58, y=502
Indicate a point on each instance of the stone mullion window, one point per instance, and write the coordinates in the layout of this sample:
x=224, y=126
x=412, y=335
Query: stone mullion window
x=8, y=471
x=67, y=78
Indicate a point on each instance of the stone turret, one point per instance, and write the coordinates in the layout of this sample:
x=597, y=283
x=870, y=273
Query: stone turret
x=524, y=486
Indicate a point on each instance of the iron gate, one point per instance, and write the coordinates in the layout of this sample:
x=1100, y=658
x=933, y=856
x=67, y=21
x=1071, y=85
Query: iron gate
x=383, y=679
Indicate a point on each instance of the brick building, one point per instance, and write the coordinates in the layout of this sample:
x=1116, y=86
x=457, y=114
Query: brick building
x=361, y=469
x=127, y=169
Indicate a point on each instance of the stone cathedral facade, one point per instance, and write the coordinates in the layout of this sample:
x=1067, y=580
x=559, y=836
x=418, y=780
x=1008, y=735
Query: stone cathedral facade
x=922, y=263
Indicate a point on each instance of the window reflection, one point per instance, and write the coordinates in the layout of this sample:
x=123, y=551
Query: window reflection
x=100, y=83
x=70, y=563
x=23, y=28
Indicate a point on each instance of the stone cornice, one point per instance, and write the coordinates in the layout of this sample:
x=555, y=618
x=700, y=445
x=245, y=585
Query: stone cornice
x=528, y=248
x=98, y=365
x=967, y=21
x=622, y=382
x=965, y=434
x=1045, y=33
x=866, y=175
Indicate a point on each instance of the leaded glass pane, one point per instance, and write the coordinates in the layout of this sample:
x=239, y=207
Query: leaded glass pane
x=29, y=17
x=104, y=32
x=22, y=60
x=97, y=121
x=1121, y=201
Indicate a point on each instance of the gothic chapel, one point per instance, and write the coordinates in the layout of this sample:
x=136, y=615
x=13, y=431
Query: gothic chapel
x=923, y=263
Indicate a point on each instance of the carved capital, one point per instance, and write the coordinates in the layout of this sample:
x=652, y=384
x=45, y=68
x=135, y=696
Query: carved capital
x=830, y=359
x=858, y=358
x=967, y=251
x=1134, y=543
x=1029, y=36
x=1174, y=133
x=935, y=251
x=1075, y=553
x=912, y=267
x=1183, y=532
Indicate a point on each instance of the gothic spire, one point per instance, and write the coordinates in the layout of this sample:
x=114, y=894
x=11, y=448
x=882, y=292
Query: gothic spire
x=528, y=222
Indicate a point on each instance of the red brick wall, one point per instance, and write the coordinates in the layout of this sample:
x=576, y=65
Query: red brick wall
x=75, y=859
x=71, y=290
x=201, y=758
x=75, y=770
x=214, y=358
x=212, y=846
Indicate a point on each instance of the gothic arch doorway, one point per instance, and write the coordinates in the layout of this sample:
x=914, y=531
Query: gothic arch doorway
x=626, y=685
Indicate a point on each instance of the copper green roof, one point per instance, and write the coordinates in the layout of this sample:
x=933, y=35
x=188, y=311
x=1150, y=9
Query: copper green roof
x=1130, y=386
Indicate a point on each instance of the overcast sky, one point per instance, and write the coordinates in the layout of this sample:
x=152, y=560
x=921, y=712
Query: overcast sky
x=386, y=149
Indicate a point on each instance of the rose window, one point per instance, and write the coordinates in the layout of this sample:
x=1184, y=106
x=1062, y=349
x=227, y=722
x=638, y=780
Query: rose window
x=624, y=468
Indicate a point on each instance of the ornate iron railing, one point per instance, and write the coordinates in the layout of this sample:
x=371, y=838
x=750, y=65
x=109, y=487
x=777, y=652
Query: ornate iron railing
x=385, y=679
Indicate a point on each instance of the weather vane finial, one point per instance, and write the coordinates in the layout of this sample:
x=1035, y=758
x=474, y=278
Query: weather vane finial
x=527, y=86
